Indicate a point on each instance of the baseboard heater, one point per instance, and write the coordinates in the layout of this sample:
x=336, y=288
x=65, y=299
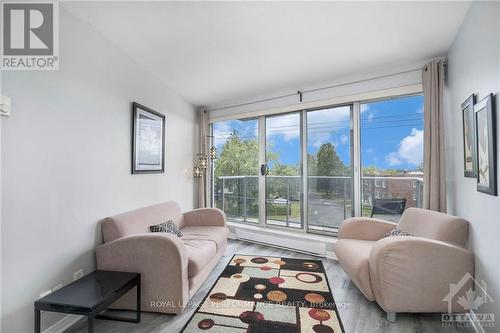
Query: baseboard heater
x=285, y=242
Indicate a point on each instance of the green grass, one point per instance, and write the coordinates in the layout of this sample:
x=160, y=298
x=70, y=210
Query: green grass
x=367, y=211
x=281, y=216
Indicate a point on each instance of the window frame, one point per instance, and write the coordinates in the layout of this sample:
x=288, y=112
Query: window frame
x=357, y=184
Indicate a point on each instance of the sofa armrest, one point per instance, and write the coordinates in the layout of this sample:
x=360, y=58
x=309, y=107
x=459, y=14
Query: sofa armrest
x=205, y=217
x=162, y=261
x=365, y=228
x=415, y=274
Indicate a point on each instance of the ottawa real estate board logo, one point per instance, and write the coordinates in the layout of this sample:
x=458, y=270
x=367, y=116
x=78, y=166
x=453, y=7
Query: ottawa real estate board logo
x=468, y=295
x=30, y=35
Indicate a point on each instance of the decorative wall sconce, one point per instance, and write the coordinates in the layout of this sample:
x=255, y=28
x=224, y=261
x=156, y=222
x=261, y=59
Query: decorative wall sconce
x=196, y=172
x=203, y=160
x=213, y=153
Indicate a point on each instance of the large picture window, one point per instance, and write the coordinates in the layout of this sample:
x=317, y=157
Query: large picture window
x=297, y=170
x=235, y=181
x=392, y=152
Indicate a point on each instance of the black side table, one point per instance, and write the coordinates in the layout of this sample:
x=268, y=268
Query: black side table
x=91, y=295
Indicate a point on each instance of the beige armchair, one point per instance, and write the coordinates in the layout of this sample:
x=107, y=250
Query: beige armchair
x=406, y=273
x=172, y=268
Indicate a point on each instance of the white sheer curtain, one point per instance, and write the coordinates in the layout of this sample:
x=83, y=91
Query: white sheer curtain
x=434, y=163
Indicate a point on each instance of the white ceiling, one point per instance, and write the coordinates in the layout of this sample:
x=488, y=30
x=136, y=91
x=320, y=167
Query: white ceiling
x=218, y=52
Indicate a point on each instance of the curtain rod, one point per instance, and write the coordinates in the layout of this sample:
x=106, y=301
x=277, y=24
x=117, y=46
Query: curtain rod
x=300, y=92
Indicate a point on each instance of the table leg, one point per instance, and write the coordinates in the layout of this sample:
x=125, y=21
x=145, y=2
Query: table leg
x=139, y=299
x=37, y=321
x=91, y=322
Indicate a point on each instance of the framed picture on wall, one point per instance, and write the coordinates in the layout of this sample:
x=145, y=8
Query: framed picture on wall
x=148, y=140
x=469, y=136
x=486, y=146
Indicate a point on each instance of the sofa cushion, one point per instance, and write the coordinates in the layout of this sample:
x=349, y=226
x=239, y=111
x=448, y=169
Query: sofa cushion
x=354, y=256
x=434, y=225
x=168, y=227
x=199, y=253
x=216, y=234
x=138, y=221
x=397, y=232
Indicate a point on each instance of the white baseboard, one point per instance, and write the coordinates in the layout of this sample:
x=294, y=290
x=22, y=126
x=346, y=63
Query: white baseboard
x=331, y=255
x=63, y=324
x=476, y=325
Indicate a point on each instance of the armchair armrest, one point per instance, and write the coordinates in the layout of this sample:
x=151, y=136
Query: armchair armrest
x=365, y=228
x=205, y=217
x=162, y=261
x=415, y=274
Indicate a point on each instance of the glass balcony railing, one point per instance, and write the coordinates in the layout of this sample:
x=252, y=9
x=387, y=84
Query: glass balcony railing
x=238, y=197
x=329, y=198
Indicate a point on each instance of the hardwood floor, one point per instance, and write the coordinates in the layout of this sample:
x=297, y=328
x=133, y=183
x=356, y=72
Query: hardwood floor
x=357, y=314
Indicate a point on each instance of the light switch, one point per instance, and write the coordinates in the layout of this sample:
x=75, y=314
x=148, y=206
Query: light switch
x=5, y=105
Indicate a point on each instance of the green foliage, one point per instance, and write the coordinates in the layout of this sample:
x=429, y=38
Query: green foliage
x=374, y=171
x=371, y=170
x=279, y=169
x=238, y=157
x=312, y=165
x=328, y=162
x=277, y=210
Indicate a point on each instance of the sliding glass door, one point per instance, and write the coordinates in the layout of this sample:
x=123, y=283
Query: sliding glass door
x=311, y=169
x=283, y=171
x=235, y=175
x=329, y=168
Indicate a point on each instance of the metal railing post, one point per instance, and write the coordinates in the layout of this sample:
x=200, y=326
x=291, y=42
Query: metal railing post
x=345, y=195
x=245, y=199
x=373, y=191
x=287, y=202
x=419, y=193
x=222, y=199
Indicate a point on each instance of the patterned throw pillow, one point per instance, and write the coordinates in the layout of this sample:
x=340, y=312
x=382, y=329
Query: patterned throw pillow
x=397, y=232
x=168, y=226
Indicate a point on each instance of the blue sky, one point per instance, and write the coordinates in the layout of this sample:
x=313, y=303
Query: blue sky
x=391, y=133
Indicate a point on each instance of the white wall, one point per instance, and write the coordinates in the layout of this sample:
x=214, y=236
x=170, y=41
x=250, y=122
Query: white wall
x=66, y=163
x=1, y=212
x=474, y=67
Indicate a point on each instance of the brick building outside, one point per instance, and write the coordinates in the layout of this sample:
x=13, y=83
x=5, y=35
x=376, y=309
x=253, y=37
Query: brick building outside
x=405, y=185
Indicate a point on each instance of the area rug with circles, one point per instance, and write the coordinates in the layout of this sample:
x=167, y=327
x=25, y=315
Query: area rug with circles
x=268, y=294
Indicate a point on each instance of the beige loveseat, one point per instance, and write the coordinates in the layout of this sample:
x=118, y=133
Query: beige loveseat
x=406, y=273
x=172, y=268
